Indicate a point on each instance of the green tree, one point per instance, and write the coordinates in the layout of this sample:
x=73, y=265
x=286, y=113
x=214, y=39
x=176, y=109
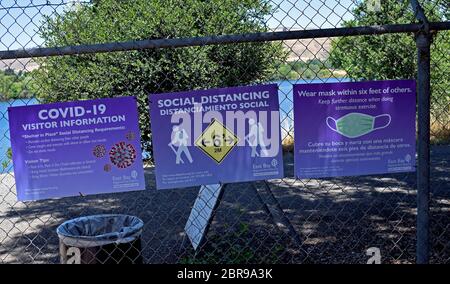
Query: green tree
x=393, y=56
x=7, y=161
x=14, y=85
x=139, y=73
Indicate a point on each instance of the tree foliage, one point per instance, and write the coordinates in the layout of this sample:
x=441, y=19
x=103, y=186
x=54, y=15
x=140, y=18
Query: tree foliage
x=310, y=69
x=393, y=56
x=15, y=85
x=138, y=73
x=5, y=164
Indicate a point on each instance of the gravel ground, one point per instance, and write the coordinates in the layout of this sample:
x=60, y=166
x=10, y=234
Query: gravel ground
x=336, y=220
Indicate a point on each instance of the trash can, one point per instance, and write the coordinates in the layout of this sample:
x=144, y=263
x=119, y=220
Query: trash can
x=101, y=239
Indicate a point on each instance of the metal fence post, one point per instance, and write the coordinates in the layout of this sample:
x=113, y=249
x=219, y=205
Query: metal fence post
x=423, y=42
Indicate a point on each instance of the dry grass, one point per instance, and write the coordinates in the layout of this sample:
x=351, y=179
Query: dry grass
x=288, y=143
x=440, y=133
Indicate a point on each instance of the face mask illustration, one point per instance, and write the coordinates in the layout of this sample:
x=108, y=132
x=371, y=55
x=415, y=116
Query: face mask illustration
x=356, y=124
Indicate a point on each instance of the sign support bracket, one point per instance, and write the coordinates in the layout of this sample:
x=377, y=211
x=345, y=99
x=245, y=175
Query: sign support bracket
x=275, y=211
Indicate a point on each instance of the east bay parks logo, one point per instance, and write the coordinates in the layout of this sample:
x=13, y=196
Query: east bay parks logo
x=217, y=141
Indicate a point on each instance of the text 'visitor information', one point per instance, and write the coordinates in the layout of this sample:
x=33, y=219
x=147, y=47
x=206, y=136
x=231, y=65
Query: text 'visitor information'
x=76, y=148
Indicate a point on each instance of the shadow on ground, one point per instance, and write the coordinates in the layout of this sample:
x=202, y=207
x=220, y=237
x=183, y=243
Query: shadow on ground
x=337, y=220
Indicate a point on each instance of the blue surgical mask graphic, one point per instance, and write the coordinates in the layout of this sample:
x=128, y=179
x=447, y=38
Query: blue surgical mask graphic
x=356, y=124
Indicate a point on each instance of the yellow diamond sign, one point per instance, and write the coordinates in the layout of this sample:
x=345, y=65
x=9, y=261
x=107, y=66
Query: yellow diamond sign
x=217, y=141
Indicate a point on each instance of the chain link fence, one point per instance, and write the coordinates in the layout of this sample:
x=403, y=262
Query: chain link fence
x=331, y=220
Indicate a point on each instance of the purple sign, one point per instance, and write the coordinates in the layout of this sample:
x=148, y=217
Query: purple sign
x=216, y=136
x=76, y=148
x=356, y=128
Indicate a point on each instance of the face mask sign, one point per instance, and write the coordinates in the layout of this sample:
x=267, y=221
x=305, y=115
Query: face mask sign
x=354, y=125
x=354, y=128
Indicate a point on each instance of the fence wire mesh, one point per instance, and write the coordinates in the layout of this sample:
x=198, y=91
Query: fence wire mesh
x=335, y=219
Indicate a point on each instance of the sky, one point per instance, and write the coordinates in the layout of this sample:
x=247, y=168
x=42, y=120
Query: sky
x=20, y=19
x=310, y=14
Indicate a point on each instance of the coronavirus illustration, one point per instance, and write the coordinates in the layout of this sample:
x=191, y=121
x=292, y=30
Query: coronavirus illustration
x=130, y=136
x=99, y=151
x=122, y=155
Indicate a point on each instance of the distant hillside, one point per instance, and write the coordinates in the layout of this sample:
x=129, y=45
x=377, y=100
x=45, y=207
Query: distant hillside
x=307, y=49
x=23, y=64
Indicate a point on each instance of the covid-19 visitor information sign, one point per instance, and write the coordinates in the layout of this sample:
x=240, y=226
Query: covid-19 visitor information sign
x=354, y=128
x=76, y=148
x=216, y=136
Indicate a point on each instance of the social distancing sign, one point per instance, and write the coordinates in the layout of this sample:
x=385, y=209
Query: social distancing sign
x=216, y=136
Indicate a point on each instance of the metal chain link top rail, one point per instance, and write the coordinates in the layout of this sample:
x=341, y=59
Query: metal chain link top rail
x=332, y=220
